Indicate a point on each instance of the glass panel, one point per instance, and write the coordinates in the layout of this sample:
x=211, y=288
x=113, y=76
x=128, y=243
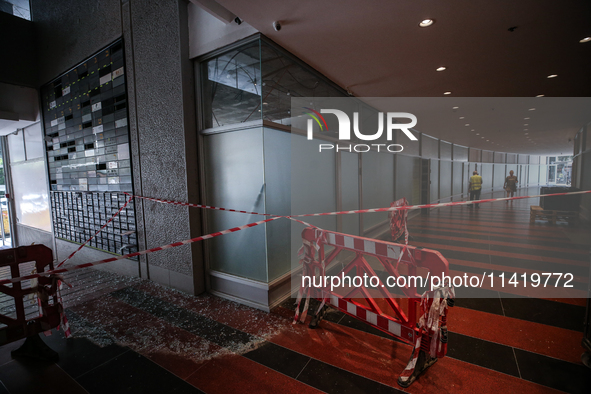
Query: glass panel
x=407, y=178
x=457, y=183
x=16, y=147
x=234, y=179
x=277, y=199
x=19, y=8
x=430, y=147
x=445, y=150
x=30, y=194
x=487, y=176
x=283, y=78
x=350, y=191
x=499, y=180
x=534, y=171
x=232, y=87
x=312, y=188
x=444, y=179
x=434, y=180
x=33, y=141
x=460, y=153
x=378, y=185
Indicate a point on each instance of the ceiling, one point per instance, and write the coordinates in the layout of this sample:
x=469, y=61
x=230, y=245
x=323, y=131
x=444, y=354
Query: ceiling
x=501, y=48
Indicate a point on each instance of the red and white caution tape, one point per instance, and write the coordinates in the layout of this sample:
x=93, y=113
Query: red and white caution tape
x=187, y=204
x=172, y=245
x=445, y=204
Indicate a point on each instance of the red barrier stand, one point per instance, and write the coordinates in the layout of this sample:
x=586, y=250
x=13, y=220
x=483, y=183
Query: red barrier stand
x=398, y=221
x=421, y=322
x=28, y=307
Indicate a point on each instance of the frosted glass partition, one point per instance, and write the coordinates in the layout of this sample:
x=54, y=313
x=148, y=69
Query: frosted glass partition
x=407, y=178
x=434, y=178
x=522, y=159
x=543, y=174
x=511, y=158
x=460, y=153
x=350, y=191
x=487, y=156
x=445, y=179
x=474, y=155
x=500, y=157
x=457, y=178
x=499, y=178
x=534, y=173
x=235, y=178
x=378, y=185
x=34, y=141
x=430, y=147
x=16, y=147
x=445, y=150
x=31, y=199
x=277, y=199
x=313, y=188
x=487, y=176
x=410, y=147
x=534, y=160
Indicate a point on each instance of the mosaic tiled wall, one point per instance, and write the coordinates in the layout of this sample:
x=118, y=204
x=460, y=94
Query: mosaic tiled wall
x=88, y=153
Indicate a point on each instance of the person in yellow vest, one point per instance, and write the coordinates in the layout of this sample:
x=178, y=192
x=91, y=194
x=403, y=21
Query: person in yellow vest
x=475, y=187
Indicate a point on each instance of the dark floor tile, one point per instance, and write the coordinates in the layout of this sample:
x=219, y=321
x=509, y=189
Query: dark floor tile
x=331, y=379
x=482, y=353
x=551, y=372
x=540, y=252
x=25, y=376
x=552, y=313
x=80, y=355
x=3, y=389
x=278, y=358
x=133, y=373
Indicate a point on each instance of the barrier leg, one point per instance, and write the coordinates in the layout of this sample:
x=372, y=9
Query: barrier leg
x=34, y=347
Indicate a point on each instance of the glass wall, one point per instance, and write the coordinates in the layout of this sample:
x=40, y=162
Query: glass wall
x=260, y=165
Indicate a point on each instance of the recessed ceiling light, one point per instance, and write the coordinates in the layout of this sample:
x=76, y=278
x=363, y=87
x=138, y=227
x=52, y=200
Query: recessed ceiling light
x=531, y=109
x=461, y=117
x=455, y=107
x=442, y=68
x=526, y=124
x=472, y=129
x=526, y=133
x=477, y=133
x=552, y=76
x=482, y=137
x=486, y=140
x=447, y=93
x=467, y=124
x=541, y=95
x=586, y=39
x=525, y=129
x=426, y=22
x=525, y=118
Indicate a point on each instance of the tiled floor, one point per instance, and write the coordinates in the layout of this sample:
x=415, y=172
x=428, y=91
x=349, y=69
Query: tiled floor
x=136, y=337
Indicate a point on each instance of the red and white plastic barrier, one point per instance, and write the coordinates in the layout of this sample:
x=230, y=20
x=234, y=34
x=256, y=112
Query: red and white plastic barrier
x=426, y=331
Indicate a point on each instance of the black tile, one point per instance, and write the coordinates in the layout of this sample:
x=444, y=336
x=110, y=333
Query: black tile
x=331, y=379
x=204, y=327
x=551, y=372
x=483, y=353
x=3, y=389
x=551, y=313
x=80, y=355
x=32, y=376
x=278, y=358
x=133, y=373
